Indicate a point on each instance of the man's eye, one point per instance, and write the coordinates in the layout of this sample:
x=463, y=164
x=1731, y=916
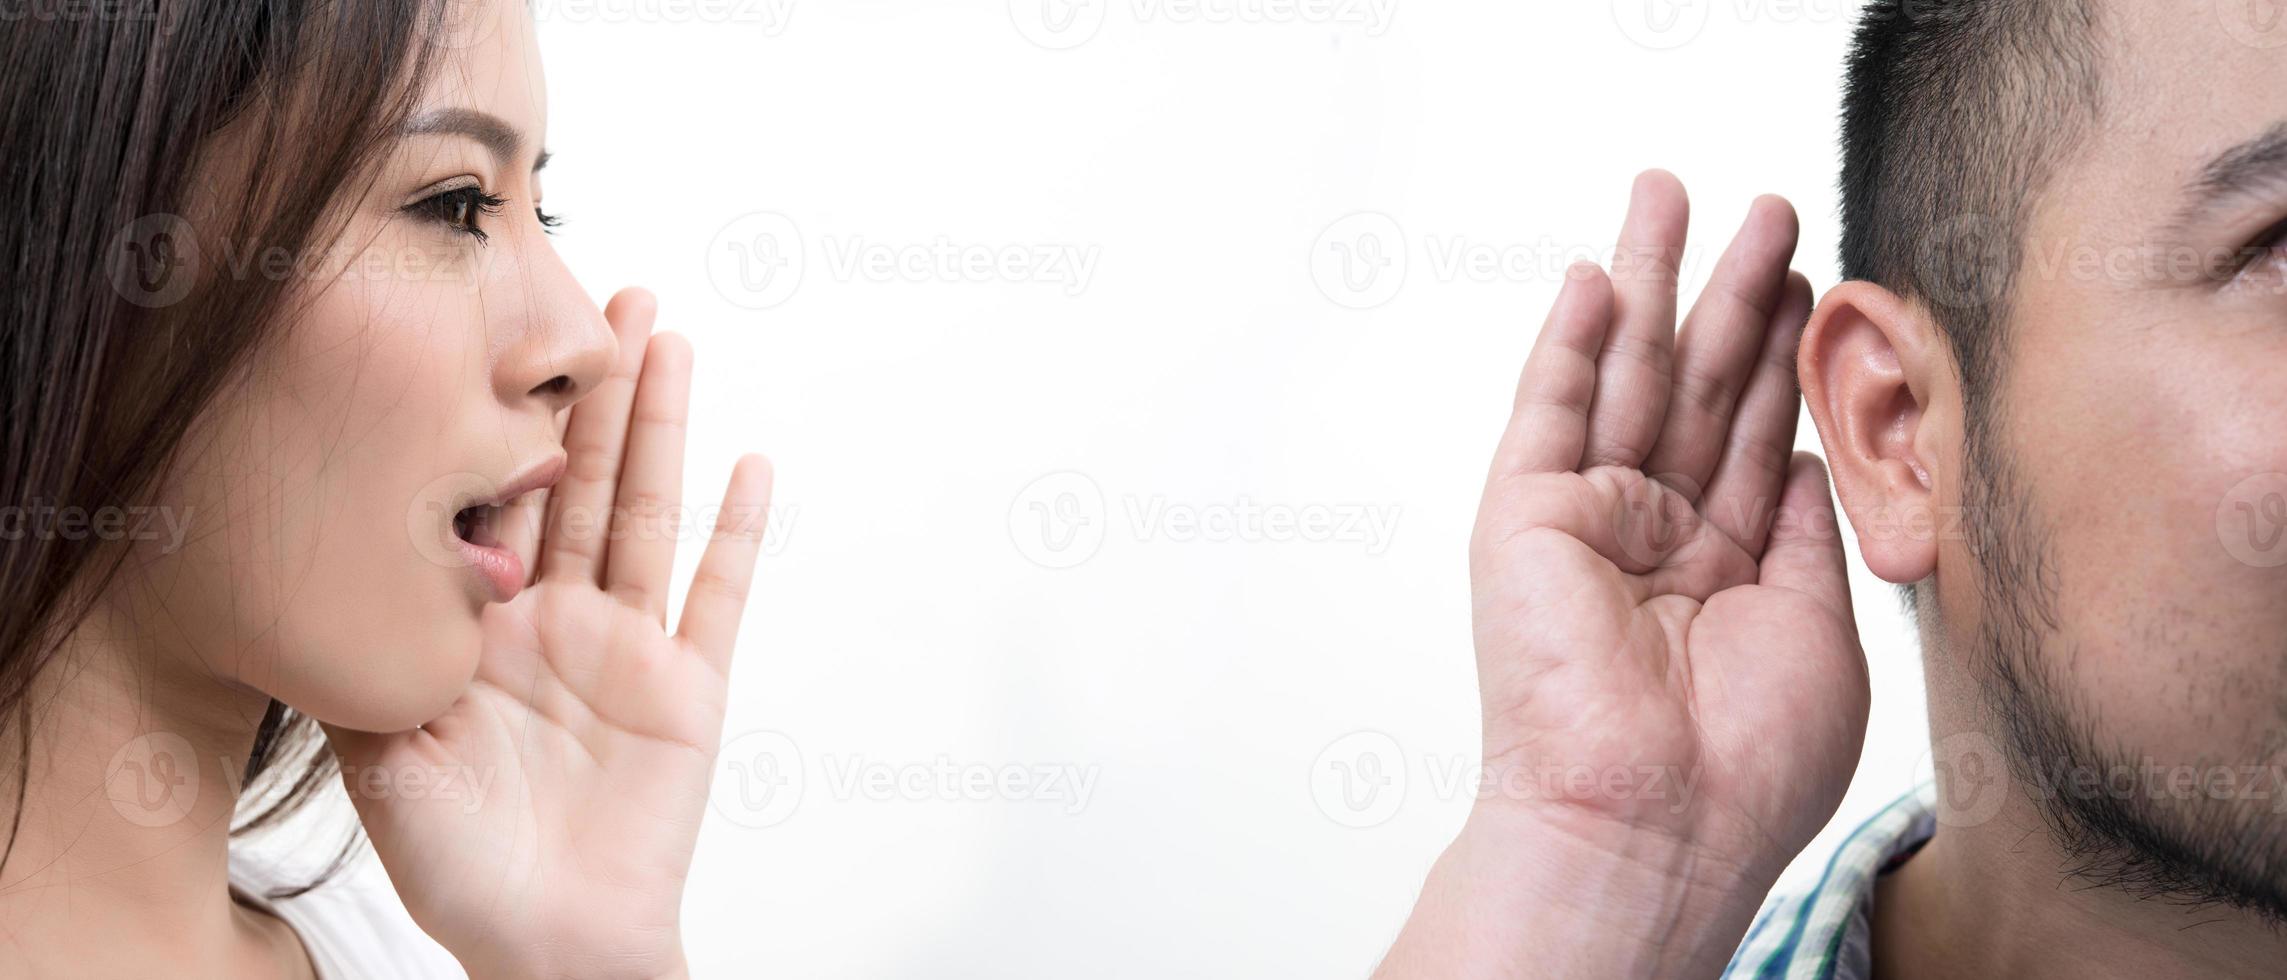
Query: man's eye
x=2276, y=244
x=461, y=209
x=2270, y=246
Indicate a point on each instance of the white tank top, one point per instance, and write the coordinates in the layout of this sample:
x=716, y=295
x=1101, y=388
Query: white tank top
x=353, y=925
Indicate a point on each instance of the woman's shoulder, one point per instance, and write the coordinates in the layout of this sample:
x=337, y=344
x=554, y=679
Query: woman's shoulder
x=353, y=925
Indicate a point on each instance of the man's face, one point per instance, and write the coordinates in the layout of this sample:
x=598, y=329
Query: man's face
x=2138, y=445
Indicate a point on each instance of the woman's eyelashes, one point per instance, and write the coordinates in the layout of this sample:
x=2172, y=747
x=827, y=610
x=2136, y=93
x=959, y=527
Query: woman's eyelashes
x=460, y=209
x=466, y=209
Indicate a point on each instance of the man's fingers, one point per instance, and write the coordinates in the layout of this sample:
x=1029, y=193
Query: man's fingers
x=1715, y=351
x=579, y=507
x=1634, y=366
x=1806, y=540
x=1548, y=427
x=1753, y=471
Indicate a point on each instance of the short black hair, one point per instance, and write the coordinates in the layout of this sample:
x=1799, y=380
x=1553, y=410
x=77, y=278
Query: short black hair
x=1954, y=111
x=1953, y=114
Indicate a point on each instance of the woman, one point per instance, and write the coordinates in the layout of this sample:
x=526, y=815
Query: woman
x=310, y=430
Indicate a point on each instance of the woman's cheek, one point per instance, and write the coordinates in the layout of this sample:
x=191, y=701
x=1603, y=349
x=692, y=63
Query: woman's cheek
x=389, y=637
x=372, y=389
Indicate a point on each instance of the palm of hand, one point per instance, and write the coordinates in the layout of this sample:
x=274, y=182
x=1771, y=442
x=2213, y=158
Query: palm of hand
x=1663, y=623
x=591, y=731
x=587, y=740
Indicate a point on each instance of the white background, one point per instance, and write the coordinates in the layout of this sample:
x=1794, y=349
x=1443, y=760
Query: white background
x=1206, y=684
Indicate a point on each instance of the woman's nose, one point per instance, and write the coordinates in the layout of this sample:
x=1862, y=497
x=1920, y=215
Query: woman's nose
x=563, y=355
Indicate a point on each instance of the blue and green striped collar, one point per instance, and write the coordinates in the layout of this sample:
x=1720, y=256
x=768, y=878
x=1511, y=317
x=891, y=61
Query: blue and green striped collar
x=1824, y=933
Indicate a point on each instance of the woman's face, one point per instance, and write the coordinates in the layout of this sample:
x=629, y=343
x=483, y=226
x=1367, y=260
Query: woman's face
x=332, y=561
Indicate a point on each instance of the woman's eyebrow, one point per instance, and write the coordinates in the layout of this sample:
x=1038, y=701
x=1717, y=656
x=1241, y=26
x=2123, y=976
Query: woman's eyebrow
x=504, y=141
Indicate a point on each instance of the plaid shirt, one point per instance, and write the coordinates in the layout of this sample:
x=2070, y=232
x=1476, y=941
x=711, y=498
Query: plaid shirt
x=1825, y=933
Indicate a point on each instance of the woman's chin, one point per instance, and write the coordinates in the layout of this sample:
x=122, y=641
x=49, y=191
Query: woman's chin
x=418, y=690
x=387, y=711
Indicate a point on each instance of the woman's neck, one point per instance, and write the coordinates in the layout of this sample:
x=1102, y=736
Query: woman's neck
x=119, y=865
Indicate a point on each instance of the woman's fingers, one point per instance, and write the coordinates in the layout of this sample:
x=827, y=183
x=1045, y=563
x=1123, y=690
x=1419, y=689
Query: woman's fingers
x=643, y=532
x=1633, y=369
x=519, y=530
x=1548, y=427
x=1749, y=479
x=718, y=593
x=523, y=522
x=579, y=507
x=1716, y=350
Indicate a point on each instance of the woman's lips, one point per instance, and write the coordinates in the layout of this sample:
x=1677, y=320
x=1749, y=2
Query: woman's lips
x=478, y=535
x=500, y=568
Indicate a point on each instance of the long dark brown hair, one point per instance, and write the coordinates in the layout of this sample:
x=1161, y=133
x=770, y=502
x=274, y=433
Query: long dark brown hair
x=113, y=119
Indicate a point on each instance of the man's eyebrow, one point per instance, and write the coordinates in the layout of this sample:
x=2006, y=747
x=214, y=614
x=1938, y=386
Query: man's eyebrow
x=2237, y=172
x=502, y=140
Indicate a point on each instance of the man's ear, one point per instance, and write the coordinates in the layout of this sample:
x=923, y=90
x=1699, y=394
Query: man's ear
x=1869, y=364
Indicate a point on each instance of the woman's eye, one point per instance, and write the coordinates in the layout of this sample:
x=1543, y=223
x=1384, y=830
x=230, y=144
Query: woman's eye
x=465, y=210
x=462, y=209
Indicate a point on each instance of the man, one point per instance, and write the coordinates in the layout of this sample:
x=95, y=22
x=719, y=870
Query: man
x=2053, y=393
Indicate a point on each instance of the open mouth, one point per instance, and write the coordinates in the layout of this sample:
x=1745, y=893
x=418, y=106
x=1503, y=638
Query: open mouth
x=478, y=528
x=479, y=524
